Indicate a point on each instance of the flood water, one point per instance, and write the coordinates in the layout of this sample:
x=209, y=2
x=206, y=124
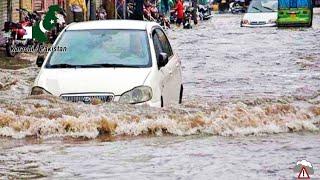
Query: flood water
x=251, y=110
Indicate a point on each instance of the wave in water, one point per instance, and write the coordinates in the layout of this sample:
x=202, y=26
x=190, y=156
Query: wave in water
x=46, y=116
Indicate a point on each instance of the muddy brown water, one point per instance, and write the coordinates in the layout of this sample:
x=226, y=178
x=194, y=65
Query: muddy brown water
x=251, y=110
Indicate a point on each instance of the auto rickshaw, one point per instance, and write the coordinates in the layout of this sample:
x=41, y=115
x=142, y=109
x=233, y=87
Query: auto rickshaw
x=295, y=13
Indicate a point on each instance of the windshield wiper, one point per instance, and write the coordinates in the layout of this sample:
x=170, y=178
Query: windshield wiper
x=257, y=9
x=91, y=65
x=268, y=8
x=63, y=66
x=109, y=65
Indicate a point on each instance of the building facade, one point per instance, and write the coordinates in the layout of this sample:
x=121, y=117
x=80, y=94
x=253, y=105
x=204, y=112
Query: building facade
x=8, y=8
x=3, y=13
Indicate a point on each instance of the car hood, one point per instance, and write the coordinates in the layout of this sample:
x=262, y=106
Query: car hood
x=260, y=16
x=91, y=80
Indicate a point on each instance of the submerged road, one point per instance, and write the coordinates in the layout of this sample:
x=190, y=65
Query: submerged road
x=251, y=110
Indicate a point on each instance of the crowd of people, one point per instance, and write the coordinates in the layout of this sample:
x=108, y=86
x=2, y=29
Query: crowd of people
x=152, y=10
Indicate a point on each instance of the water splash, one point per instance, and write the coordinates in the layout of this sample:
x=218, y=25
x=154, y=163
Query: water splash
x=47, y=116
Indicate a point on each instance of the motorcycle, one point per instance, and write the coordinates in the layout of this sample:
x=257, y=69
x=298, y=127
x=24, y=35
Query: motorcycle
x=187, y=18
x=19, y=34
x=191, y=14
x=236, y=8
x=204, y=12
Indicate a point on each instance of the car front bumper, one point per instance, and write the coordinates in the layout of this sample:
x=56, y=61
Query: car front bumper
x=102, y=98
x=286, y=22
x=262, y=25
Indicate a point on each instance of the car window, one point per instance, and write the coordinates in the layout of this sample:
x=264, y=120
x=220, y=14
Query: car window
x=103, y=47
x=294, y=4
x=157, y=44
x=258, y=6
x=164, y=42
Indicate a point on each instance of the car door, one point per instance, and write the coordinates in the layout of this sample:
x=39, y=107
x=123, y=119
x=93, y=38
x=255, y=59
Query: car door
x=163, y=71
x=172, y=69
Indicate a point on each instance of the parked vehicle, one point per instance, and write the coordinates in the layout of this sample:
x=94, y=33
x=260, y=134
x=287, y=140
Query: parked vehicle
x=204, y=12
x=191, y=13
x=295, y=13
x=19, y=34
x=236, y=8
x=188, y=18
x=261, y=13
x=119, y=60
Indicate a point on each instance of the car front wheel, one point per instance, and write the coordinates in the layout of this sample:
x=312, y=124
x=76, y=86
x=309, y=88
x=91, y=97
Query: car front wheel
x=9, y=51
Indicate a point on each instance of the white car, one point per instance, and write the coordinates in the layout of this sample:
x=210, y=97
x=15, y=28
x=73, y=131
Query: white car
x=116, y=60
x=261, y=13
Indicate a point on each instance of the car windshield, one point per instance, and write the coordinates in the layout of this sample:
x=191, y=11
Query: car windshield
x=258, y=6
x=102, y=48
x=295, y=3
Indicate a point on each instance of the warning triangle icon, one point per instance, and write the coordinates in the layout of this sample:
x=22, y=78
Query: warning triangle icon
x=303, y=174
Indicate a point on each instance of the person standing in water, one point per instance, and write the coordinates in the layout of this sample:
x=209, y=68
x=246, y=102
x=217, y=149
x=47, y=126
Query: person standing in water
x=78, y=9
x=180, y=12
x=138, y=12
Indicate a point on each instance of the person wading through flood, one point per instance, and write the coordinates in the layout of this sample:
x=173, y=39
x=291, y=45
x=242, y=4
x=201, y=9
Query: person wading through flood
x=180, y=14
x=78, y=9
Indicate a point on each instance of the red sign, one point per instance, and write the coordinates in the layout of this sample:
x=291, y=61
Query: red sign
x=303, y=174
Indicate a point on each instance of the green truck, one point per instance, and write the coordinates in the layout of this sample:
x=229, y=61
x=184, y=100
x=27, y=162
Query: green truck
x=295, y=13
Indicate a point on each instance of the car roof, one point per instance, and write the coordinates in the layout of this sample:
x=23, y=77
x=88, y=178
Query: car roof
x=112, y=24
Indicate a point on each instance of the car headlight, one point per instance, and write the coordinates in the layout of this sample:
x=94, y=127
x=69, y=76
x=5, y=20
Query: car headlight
x=38, y=91
x=272, y=21
x=245, y=21
x=136, y=95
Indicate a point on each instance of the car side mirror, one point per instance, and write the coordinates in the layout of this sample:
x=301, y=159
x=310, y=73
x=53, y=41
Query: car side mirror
x=163, y=60
x=40, y=60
